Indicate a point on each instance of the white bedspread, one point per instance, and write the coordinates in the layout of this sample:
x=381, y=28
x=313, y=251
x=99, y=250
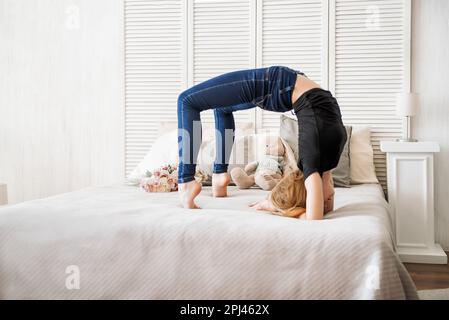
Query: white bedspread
x=128, y=244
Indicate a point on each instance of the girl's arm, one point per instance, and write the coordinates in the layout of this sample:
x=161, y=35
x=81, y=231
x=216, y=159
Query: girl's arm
x=315, y=198
x=328, y=191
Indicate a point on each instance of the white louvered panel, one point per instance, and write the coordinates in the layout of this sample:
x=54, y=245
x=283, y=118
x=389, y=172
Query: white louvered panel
x=222, y=38
x=369, y=67
x=293, y=34
x=154, y=65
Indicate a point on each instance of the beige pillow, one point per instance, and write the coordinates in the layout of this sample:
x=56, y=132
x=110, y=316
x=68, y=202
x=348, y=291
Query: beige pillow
x=289, y=132
x=362, y=156
x=342, y=174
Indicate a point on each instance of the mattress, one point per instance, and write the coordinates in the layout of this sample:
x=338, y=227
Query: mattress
x=118, y=242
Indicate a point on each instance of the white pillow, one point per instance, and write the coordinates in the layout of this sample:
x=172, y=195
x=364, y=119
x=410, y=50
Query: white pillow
x=165, y=149
x=158, y=156
x=362, y=156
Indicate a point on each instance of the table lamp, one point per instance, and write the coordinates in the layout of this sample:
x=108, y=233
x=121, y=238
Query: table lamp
x=406, y=107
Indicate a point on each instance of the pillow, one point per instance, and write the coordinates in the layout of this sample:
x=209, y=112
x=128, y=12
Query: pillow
x=159, y=154
x=289, y=132
x=341, y=174
x=362, y=156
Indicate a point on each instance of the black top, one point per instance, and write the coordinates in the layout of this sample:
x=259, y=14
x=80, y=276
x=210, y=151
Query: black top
x=322, y=135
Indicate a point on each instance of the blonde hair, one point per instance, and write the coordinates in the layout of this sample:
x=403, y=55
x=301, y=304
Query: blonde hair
x=289, y=195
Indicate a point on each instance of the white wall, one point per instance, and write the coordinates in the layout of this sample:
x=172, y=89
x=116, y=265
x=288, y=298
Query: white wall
x=61, y=95
x=430, y=78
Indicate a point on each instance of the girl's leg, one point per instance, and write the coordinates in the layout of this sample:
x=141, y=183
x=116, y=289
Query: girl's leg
x=189, y=123
x=224, y=141
x=224, y=138
x=229, y=92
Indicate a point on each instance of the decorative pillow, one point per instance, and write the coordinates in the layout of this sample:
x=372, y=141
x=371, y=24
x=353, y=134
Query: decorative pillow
x=289, y=132
x=160, y=155
x=362, y=156
x=341, y=174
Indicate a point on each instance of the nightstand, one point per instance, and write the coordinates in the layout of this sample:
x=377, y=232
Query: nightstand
x=3, y=194
x=410, y=180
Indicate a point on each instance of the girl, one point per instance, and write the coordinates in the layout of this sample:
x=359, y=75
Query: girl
x=322, y=134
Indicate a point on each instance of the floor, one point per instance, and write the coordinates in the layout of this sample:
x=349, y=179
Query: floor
x=429, y=276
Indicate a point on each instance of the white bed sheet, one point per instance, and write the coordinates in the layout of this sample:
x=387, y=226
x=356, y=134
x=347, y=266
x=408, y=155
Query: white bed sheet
x=128, y=244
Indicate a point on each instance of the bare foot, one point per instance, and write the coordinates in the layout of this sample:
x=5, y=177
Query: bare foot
x=220, y=183
x=187, y=194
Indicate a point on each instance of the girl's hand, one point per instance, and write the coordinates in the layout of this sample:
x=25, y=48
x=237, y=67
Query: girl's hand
x=329, y=204
x=264, y=205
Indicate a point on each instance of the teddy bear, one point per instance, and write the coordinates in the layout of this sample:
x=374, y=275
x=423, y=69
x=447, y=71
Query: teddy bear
x=269, y=169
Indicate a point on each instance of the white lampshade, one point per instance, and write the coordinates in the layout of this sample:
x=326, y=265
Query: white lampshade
x=405, y=104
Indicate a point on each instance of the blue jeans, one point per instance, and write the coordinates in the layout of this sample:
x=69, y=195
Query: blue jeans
x=268, y=88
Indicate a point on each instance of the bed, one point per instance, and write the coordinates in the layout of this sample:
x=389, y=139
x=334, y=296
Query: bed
x=123, y=243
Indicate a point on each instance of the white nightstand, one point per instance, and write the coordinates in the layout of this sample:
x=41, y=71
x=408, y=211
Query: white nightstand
x=3, y=194
x=410, y=194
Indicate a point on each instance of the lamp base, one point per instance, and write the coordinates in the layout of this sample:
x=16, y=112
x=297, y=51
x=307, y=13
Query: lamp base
x=406, y=140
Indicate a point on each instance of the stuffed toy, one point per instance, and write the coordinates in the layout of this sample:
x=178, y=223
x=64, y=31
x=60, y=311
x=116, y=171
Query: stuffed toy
x=278, y=159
